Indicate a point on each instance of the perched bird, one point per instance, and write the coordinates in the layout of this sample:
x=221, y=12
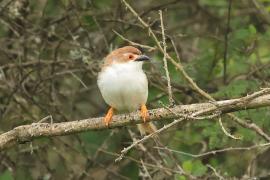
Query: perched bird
x=124, y=85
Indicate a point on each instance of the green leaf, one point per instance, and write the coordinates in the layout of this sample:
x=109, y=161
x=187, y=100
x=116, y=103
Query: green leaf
x=87, y=19
x=198, y=168
x=6, y=175
x=131, y=170
x=179, y=177
x=252, y=29
x=95, y=138
x=214, y=142
x=194, y=167
x=241, y=34
x=237, y=88
x=187, y=166
x=52, y=8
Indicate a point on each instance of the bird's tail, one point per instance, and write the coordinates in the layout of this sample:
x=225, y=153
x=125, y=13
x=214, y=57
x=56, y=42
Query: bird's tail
x=147, y=128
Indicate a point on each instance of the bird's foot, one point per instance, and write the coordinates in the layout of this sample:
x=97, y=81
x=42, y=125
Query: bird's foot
x=108, y=117
x=144, y=113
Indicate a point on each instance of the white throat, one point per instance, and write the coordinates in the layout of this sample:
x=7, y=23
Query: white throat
x=128, y=66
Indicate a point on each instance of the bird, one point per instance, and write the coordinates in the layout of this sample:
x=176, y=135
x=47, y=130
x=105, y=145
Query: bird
x=124, y=86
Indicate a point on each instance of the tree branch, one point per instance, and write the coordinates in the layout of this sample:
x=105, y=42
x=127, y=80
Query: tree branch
x=26, y=133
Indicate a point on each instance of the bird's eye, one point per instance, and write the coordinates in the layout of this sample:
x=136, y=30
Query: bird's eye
x=130, y=57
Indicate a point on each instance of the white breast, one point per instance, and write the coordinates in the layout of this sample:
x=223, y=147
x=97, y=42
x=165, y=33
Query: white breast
x=124, y=86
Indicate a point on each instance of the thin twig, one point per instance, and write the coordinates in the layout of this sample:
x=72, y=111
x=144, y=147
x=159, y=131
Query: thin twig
x=215, y=171
x=79, y=79
x=214, y=152
x=225, y=131
x=145, y=170
x=134, y=43
x=165, y=63
x=225, y=56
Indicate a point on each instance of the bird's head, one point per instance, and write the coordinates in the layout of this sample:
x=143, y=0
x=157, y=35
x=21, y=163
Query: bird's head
x=125, y=55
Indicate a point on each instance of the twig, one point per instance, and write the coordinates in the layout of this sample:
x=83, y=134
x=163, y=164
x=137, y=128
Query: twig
x=79, y=79
x=251, y=126
x=145, y=170
x=165, y=63
x=215, y=171
x=214, y=152
x=153, y=166
x=226, y=43
x=134, y=43
x=46, y=118
x=125, y=150
x=261, y=11
x=225, y=131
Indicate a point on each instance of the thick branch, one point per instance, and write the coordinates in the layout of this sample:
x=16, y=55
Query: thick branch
x=27, y=133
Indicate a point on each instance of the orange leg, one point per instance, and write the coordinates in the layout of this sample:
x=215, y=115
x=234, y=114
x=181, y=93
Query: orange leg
x=144, y=113
x=108, y=117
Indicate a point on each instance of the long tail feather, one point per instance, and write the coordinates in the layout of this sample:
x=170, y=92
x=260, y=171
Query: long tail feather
x=147, y=128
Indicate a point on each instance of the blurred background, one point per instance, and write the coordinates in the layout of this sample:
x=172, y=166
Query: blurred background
x=51, y=52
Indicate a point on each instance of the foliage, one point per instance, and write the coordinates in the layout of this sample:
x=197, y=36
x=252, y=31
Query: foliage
x=51, y=52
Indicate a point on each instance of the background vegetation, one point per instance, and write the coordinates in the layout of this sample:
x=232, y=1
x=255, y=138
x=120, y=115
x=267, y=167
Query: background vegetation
x=50, y=54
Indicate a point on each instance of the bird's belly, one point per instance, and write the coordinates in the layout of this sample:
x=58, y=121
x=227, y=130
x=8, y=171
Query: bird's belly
x=124, y=91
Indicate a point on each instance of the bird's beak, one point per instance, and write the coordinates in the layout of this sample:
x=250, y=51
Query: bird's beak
x=142, y=58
